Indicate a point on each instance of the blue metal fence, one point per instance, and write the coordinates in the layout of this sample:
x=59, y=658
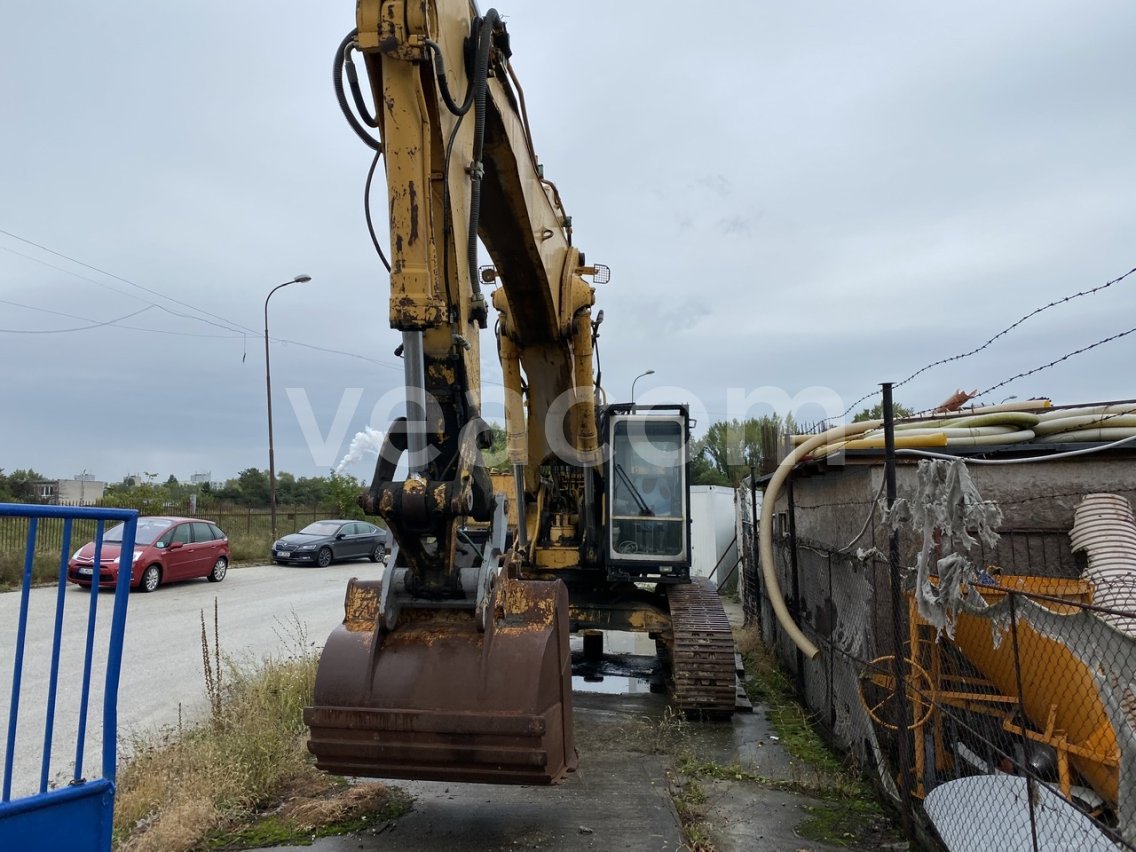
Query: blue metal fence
x=80, y=815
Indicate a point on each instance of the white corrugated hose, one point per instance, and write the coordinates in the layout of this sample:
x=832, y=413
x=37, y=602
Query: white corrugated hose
x=1105, y=529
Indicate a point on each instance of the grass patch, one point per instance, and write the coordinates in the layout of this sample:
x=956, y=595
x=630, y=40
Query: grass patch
x=251, y=548
x=355, y=809
x=45, y=569
x=848, y=812
x=690, y=803
x=766, y=683
x=669, y=734
x=244, y=775
x=847, y=822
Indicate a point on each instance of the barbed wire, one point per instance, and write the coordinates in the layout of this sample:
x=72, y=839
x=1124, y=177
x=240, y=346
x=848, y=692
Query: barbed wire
x=1064, y=357
x=1000, y=334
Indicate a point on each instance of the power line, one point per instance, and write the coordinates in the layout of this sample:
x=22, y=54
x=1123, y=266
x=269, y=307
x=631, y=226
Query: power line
x=236, y=328
x=120, y=278
x=79, y=328
x=118, y=322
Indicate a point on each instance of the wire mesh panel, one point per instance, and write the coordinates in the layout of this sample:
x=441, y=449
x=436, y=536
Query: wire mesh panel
x=1037, y=691
x=1014, y=727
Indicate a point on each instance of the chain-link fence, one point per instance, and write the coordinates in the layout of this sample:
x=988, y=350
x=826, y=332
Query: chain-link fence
x=234, y=520
x=1014, y=725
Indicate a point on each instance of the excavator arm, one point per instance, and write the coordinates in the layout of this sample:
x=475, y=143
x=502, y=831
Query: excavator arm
x=456, y=172
x=456, y=666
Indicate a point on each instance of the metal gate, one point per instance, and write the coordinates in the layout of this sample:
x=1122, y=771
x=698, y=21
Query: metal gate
x=78, y=815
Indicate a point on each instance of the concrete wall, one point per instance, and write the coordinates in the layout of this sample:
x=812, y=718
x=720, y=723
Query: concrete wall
x=79, y=492
x=844, y=604
x=1037, y=502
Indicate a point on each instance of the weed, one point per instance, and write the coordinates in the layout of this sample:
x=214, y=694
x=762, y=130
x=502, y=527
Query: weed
x=689, y=800
x=213, y=670
x=849, y=813
x=647, y=735
x=191, y=785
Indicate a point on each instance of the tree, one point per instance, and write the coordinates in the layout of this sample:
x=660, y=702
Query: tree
x=702, y=470
x=343, y=493
x=733, y=447
x=173, y=480
x=311, y=491
x=876, y=412
x=19, y=485
x=497, y=456
x=253, y=485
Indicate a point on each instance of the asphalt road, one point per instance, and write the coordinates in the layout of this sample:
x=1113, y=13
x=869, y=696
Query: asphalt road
x=262, y=611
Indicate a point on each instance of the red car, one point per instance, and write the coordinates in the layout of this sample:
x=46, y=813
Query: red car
x=165, y=549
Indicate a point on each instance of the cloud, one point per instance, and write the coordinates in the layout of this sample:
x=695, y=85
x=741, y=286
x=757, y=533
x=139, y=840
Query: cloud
x=821, y=194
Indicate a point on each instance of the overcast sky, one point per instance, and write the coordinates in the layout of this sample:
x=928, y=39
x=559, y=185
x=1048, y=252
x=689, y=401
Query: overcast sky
x=820, y=193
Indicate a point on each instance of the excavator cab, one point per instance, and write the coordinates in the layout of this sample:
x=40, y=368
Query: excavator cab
x=648, y=493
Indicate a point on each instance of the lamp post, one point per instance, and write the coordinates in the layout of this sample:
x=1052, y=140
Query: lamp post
x=637, y=378
x=299, y=279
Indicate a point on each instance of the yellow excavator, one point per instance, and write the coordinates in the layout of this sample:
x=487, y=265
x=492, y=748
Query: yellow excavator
x=456, y=665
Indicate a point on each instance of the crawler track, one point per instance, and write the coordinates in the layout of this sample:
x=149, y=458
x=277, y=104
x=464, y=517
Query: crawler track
x=703, y=663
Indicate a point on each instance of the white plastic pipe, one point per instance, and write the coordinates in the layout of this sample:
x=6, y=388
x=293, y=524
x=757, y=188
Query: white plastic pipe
x=765, y=530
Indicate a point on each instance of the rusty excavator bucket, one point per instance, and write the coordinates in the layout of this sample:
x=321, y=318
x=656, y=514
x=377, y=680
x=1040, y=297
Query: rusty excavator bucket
x=450, y=694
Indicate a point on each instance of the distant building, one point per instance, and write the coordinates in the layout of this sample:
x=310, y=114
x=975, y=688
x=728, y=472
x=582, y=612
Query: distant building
x=83, y=490
x=200, y=479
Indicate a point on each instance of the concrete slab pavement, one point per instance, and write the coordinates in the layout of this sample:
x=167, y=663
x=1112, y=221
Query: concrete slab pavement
x=620, y=798
x=617, y=800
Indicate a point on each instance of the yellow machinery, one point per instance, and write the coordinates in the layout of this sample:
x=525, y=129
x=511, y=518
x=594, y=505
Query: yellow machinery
x=456, y=666
x=1060, y=697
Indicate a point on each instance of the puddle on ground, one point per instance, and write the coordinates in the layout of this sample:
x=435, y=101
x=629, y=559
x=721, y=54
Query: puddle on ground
x=611, y=684
x=616, y=674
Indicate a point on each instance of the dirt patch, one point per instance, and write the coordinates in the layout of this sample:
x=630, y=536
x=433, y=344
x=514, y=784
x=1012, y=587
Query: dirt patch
x=338, y=809
x=351, y=803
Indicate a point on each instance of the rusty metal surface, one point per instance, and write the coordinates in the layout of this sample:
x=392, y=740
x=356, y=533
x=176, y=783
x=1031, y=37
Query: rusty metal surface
x=703, y=664
x=439, y=699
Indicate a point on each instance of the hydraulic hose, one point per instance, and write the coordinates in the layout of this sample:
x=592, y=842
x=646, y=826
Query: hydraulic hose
x=443, y=83
x=341, y=96
x=480, y=86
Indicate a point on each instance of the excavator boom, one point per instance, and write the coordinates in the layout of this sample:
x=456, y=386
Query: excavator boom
x=454, y=666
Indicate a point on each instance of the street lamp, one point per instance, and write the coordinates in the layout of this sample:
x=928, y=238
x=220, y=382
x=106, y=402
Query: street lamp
x=637, y=378
x=299, y=279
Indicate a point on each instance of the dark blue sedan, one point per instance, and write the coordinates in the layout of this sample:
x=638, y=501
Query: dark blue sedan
x=325, y=542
